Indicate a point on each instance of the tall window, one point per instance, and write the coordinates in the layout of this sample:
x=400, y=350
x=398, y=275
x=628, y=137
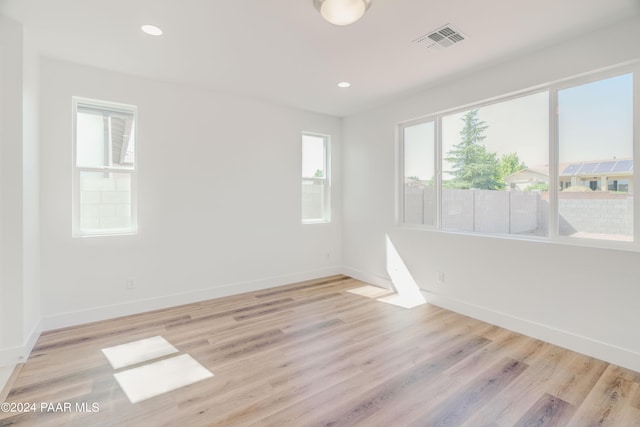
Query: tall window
x=492, y=173
x=104, y=155
x=419, y=187
x=595, y=144
x=315, y=179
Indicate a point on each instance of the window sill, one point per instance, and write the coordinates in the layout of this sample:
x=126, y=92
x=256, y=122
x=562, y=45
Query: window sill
x=559, y=240
x=103, y=234
x=315, y=221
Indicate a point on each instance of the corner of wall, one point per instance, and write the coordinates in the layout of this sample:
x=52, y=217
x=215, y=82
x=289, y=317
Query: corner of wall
x=373, y=279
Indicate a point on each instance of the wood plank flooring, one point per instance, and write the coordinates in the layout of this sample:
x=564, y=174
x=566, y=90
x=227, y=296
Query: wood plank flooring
x=312, y=354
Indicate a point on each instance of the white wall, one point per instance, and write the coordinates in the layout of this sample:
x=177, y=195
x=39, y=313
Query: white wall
x=11, y=320
x=219, y=199
x=31, y=196
x=582, y=298
x=19, y=214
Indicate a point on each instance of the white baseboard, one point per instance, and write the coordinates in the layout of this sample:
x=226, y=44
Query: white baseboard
x=383, y=282
x=601, y=350
x=105, y=312
x=5, y=374
x=11, y=356
x=31, y=340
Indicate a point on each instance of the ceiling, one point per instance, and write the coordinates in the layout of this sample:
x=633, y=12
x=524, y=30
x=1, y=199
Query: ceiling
x=283, y=52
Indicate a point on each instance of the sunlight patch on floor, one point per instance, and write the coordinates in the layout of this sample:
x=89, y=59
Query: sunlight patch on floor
x=370, y=291
x=156, y=378
x=135, y=352
x=161, y=377
x=409, y=293
x=402, y=301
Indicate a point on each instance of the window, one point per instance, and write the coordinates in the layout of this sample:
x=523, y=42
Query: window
x=104, y=157
x=595, y=144
x=315, y=179
x=419, y=174
x=495, y=167
x=486, y=169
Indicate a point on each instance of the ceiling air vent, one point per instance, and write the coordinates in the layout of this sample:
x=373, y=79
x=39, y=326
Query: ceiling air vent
x=445, y=36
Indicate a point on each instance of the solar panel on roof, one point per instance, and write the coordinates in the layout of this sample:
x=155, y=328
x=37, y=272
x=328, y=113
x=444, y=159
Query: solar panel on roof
x=588, y=168
x=605, y=167
x=570, y=170
x=623, y=166
x=618, y=166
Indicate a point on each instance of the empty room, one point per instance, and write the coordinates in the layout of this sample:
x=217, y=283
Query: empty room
x=319, y=213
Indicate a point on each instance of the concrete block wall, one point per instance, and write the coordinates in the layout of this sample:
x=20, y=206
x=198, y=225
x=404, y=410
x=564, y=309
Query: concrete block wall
x=602, y=216
x=105, y=200
x=484, y=211
x=516, y=212
x=313, y=197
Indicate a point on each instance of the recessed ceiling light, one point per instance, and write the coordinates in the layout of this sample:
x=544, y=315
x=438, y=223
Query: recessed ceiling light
x=152, y=30
x=344, y=84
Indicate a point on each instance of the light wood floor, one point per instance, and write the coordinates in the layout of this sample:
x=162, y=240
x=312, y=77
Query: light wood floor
x=312, y=354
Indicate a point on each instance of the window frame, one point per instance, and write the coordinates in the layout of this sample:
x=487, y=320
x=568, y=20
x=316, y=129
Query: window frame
x=116, y=108
x=326, y=196
x=437, y=164
x=552, y=88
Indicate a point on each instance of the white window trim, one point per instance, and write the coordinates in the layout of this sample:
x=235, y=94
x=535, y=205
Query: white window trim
x=400, y=213
x=326, y=214
x=76, y=230
x=552, y=88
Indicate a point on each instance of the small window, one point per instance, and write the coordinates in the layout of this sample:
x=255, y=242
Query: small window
x=104, y=156
x=315, y=179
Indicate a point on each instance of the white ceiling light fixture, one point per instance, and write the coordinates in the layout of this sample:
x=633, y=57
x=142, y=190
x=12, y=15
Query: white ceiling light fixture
x=344, y=84
x=152, y=30
x=342, y=12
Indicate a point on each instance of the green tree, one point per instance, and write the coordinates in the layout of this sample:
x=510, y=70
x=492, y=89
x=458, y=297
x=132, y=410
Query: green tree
x=510, y=163
x=541, y=186
x=472, y=166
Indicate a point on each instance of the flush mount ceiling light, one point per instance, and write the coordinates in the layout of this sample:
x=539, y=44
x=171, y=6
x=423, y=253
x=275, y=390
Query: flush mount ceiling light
x=152, y=30
x=342, y=12
x=344, y=84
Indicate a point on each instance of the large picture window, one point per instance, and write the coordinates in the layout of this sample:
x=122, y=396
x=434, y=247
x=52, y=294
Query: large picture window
x=495, y=167
x=487, y=168
x=104, y=156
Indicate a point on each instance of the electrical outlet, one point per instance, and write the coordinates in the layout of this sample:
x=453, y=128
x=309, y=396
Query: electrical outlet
x=130, y=284
x=440, y=277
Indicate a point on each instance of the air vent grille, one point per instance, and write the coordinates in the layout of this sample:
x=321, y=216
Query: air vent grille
x=443, y=37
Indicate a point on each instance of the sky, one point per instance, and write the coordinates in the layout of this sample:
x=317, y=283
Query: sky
x=312, y=155
x=595, y=122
